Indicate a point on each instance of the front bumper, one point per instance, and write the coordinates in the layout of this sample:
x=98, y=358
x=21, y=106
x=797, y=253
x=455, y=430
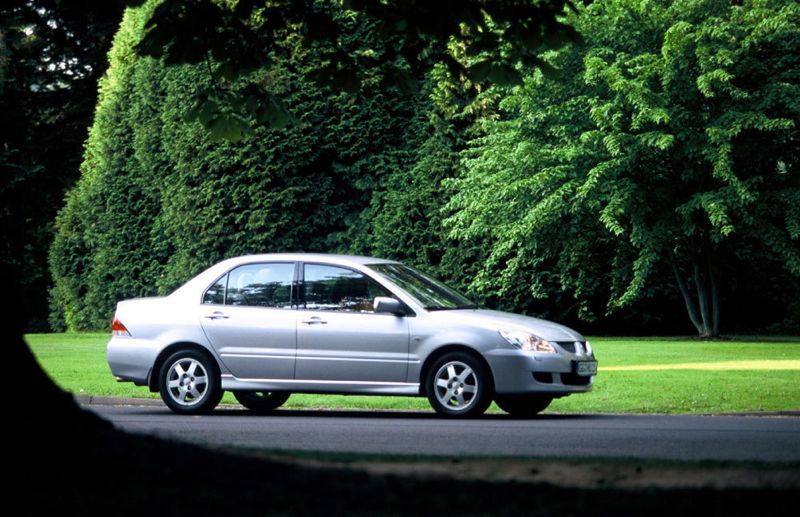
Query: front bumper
x=518, y=372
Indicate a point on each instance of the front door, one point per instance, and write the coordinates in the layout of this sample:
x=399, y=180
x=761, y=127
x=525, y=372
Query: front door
x=249, y=319
x=339, y=337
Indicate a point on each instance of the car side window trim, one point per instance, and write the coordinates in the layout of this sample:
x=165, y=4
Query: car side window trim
x=227, y=286
x=297, y=284
x=210, y=286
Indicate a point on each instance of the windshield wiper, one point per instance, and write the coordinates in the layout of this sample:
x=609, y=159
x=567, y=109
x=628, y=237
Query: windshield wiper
x=437, y=308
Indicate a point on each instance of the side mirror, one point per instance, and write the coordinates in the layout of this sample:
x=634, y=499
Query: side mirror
x=384, y=304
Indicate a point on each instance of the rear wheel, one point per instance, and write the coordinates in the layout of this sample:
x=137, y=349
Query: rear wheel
x=459, y=386
x=523, y=406
x=261, y=401
x=189, y=382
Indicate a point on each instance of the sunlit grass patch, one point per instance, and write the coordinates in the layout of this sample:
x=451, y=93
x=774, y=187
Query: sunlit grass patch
x=637, y=375
x=779, y=364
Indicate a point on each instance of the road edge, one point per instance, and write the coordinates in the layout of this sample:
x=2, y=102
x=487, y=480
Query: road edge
x=96, y=400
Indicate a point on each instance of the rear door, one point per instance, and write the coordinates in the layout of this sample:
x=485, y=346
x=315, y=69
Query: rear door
x=249, y=318
x=339, y=337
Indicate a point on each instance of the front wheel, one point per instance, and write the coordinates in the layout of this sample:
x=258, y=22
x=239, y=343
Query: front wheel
x=523, y=406
x=261, y=401
x=189, y=382
x=459, y=386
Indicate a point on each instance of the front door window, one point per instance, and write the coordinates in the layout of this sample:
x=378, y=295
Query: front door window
x=331, y=288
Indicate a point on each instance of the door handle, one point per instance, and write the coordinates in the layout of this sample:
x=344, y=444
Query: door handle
x=314, y=320
x=217, y=315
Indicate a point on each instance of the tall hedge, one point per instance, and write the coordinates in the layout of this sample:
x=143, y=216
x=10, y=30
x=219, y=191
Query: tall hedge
x=158, y=201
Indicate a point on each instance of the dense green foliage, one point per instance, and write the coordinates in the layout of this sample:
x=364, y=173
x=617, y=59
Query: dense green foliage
x=158, y=200
x=657, y=174
x=669, y=147
x=477, y=41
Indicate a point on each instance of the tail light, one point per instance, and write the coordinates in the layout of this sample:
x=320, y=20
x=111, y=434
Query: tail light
x=118, y=329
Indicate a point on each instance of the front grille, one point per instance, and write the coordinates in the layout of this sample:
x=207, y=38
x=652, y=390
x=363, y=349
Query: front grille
x=574, y=347
x=546, y=378
x=570, y=379
x=569, y=346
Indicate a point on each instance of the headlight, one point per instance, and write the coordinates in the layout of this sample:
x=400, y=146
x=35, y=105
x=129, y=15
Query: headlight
x=528, y=342
x=589, y=350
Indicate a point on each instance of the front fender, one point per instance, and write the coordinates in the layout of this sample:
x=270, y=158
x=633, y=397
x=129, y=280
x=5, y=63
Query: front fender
x=482, y=341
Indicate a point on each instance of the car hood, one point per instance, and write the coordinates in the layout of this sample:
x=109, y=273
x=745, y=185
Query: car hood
x=497, y=320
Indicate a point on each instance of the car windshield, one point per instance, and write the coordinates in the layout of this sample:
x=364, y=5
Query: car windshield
x=431, y=293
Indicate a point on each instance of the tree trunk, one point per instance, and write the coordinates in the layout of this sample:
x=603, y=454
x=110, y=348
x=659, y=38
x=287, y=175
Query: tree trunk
x=714, y=300
x=702, y=299
x=702, y=306
x=691, y=309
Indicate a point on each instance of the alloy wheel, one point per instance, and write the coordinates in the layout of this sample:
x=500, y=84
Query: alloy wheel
x=187, y=381
x=456, y=385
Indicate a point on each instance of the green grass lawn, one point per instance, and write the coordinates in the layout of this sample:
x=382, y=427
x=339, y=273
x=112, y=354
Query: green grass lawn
x=637, y=375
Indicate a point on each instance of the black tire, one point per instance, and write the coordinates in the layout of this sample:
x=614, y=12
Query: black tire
x=465, y=393
x=523, y=406
x=189, y=382
x=261, y=401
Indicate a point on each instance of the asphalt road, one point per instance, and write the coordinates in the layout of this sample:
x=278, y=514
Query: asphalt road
x=740, y=438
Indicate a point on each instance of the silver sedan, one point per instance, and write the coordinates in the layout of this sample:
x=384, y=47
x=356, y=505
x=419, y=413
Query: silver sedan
x=266, y=326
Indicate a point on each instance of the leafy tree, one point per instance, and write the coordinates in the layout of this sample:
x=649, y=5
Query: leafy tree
x=671, y=142
x=478, y=41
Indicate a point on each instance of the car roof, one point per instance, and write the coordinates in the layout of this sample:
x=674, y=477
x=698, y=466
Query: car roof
x=311, y=257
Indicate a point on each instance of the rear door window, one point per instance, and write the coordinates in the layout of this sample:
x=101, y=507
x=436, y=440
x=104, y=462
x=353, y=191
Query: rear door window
x=255, y=285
